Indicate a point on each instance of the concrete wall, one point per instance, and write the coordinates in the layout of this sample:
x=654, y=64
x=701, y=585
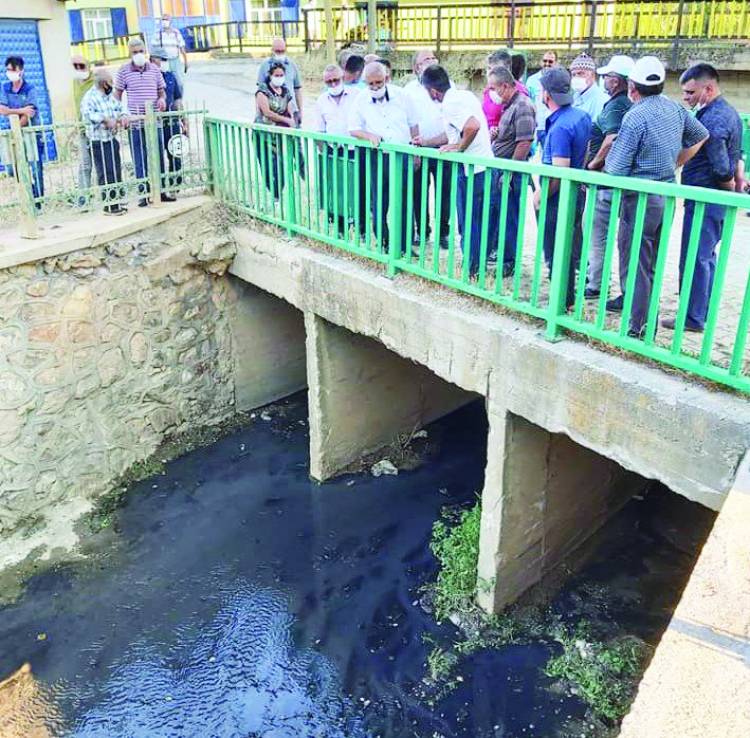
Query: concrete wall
x=54, y=38
x=268, y=346
x=543, y=496
x=362, y=396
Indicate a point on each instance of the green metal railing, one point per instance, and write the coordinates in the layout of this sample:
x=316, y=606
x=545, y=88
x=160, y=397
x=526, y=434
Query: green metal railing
x=335, y=190
x=44, y=172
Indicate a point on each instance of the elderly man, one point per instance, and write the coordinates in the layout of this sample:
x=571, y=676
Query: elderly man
x=384, y=113
x=534, y=83
x=171, y=40
x=465, y=131
x=603, y=135
x=18, y=97
x=718, y=165
x=493, y=111
x=293, y=79
x=567, y=134
x=513, y=140
x=83, y=81
x=431, y=134
x=656, y=136
x=143, y=82
x=103, y=115
x=333, y=110
x=589, y=97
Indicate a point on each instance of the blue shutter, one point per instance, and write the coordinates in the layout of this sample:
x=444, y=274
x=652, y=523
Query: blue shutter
x=237, y=10
x=119, y=22
x=76, y=26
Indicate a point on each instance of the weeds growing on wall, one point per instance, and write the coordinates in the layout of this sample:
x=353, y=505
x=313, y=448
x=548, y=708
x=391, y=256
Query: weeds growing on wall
x=598, y=663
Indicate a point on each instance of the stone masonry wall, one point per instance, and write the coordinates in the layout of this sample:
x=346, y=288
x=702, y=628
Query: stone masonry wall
x=103, y=352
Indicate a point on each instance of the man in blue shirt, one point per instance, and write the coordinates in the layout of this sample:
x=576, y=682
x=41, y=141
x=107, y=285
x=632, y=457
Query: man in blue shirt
x=656, y=137
x=714, y=166
x=566, y=139
x=18, y=97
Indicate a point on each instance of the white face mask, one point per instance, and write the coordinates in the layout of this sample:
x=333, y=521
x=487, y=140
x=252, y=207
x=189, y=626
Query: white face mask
x=279, y=57
x=278, y=80
x=81, y=74
x=578, y=84
x=164, y=66
x=378, y=94
x=166, y=23
x=336, y=90
x=139, y=59
x=13, y=76
x=495, y=97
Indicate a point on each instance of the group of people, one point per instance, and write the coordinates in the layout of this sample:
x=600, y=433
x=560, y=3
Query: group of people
x=612, y=118
x=147, y=78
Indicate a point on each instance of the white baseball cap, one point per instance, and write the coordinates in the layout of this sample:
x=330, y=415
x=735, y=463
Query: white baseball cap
x=618, y=64
x=648, y=71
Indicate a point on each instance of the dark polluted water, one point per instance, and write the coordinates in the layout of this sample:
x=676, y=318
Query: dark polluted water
x=245, y=601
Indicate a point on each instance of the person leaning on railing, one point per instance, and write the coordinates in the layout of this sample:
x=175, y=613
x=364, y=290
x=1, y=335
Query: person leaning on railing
x=18, y=97
x=431, y=132
x=103, y=115
x=466, y=131
x=276, y=106
x=144, y=83
x=603, y=135
x=568, y=133
x=291, y=72
x=718, y=165
x=383, y=112
x=657, y=136
x=333, y=109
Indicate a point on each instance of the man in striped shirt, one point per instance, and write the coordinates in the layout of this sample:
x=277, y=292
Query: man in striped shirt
x=143, y=83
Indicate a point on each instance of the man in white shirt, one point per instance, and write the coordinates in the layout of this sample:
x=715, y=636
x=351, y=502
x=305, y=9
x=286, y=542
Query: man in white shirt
x=171, y=40
x=430, y=132
x=465, y=131
x=333, y=109
x=384, y=113
x=589, y=97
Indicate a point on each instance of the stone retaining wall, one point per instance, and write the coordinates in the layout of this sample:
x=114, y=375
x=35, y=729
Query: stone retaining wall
x=103, y=353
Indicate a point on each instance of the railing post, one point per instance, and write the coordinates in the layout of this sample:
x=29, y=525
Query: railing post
x=29, y=227
x=208, y=148
x=240, y=33
x=395, y=213
x=562, y=254
x=592, y=27
x=153, y=155
x=512, y=25
x=305, y=14
x=289, y=145
x=678, y=34
x=439, y=23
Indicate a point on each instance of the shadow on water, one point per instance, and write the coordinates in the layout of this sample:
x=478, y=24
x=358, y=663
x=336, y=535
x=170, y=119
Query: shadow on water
x=244, y=600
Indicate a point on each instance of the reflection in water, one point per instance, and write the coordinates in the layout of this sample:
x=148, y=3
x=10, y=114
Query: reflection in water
x=241, y=676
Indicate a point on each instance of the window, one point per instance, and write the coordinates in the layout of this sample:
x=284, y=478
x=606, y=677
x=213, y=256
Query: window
x=97, y=23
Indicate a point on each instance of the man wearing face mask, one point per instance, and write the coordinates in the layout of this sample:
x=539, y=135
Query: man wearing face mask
x=18, y=97
x=333, y=109
x=589, y=97
x=656, y=137
x=103, y=115
x=384, y=113
x=603, y=135
x=144, y=83
x=718, y=165
x=293, y=79
x=170, y=39
x=431, y=133
x=515, y=134
x=83, y=81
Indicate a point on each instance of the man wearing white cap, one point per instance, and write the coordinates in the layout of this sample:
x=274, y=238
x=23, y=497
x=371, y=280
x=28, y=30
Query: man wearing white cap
x=603, y=135
x=657, y=136
x=589, y=97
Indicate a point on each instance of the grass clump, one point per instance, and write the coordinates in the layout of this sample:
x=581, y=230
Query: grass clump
x=456, y=547
x=440, y=664
x=604, y=674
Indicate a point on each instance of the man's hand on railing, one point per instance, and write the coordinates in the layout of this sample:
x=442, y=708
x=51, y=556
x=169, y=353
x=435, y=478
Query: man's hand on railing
x=110, y=123
x=374, y=139
x=28, y=111
x=124, y=122
x=537, y=198
x=417, y=141
x=449, y=148
x=161, y=105
x=185, y=127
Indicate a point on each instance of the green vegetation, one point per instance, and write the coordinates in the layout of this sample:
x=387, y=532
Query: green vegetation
x=604, y=675
x=457, y=549
x=441, y=663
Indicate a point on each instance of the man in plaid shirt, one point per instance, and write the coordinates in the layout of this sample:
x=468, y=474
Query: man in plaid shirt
x=103, y=115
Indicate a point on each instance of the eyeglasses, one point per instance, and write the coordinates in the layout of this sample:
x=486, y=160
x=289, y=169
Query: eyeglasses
x=331, y=82
x=548, y=62
x=81, y=67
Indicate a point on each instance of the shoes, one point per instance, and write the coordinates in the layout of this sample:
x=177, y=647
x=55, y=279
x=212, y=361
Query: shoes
x=637, y=334
x=591, y=294
x=509, y=269
x=444, y=242
x=143, y=202
x=670, y=322
x=168, y=198
x=615, y=305
x=115, y=210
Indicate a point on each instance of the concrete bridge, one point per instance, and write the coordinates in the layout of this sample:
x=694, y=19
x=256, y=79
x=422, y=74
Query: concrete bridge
x=574, y=432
